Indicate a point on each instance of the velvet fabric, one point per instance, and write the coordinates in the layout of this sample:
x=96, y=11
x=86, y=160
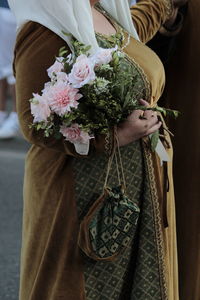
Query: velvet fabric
x=51, y=262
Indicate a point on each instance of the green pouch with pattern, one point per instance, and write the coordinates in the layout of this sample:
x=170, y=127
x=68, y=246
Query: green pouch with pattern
x=111, y=221
x=109, y=225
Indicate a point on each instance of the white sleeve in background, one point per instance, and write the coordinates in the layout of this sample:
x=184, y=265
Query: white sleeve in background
x=132, y=2
x=7, y=42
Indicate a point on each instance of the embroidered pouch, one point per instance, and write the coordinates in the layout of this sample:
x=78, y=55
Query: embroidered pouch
x=109, y=225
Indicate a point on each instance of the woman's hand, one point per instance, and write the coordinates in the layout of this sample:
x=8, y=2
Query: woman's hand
x=138, y=125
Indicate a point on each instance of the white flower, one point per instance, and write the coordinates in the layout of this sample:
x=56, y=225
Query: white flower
x=56, y=67
x=40, y=108
x=103, y=56
x=62, y=77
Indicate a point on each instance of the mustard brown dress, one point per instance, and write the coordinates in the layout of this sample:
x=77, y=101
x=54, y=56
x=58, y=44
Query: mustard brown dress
x=61, y=185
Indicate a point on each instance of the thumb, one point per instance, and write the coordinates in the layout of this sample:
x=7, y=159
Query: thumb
x=143, y=102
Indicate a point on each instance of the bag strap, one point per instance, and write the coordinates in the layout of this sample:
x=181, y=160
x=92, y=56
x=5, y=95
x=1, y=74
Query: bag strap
x=116, y=154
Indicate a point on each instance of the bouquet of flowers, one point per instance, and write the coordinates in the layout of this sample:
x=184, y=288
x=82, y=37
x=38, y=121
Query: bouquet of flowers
x=85, y=96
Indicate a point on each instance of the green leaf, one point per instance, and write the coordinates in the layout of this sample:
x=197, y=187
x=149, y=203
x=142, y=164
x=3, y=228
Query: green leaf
x=172, y=113
x=58, y=135
x=154, y=140
x=87, y=48
x=39, y=126
x=63, y=51
x=67, y=34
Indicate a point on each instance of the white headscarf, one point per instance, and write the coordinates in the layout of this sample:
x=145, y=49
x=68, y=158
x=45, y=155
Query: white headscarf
x=75, y=17
x=71, y=16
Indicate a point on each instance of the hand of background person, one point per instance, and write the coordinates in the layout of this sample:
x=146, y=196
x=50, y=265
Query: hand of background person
x=136, y=127
x=179, y=3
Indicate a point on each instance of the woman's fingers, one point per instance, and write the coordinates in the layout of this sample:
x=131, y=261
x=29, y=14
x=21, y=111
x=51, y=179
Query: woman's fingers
x=150, y=122
x=143, y=102
x=149, y=114
x=139, y=124
x=147, y=118
x=136, y=114
x=142, y=114
x=153, y=128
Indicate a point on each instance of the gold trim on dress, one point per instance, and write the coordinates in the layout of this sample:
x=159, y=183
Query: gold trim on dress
x=158, y=229
x=125, y=43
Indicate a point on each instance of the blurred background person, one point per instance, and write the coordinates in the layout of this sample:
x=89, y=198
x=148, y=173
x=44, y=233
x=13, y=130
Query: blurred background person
x=132, y=2
x=179, y=48
x=9, y=126
x=183, y=93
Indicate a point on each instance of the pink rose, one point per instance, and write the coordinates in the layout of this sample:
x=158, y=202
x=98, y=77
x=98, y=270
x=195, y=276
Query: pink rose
x=56, y=67
x=40, y=108
x=103, y=56
x=82, y=72
x=62, y=97
x=74, y=134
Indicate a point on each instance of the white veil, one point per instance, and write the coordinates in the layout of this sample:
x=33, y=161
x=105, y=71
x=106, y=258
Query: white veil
x=71, y=16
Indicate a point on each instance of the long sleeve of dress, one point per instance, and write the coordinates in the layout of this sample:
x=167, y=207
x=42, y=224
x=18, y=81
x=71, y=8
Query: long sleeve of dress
x=149, y=15
x=35, y=51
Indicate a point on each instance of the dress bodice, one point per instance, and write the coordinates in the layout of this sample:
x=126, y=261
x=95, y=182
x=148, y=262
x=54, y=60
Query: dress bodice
x=150, y=66
x=140, y=60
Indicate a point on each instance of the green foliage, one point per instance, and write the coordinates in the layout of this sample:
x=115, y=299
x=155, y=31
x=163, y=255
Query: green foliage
x=63, y=51
x=164, y=111
x=107, y=101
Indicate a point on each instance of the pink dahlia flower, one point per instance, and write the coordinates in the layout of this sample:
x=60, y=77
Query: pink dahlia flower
x=62, y=97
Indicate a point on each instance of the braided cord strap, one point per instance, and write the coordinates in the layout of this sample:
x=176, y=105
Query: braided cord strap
x=109, y=145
